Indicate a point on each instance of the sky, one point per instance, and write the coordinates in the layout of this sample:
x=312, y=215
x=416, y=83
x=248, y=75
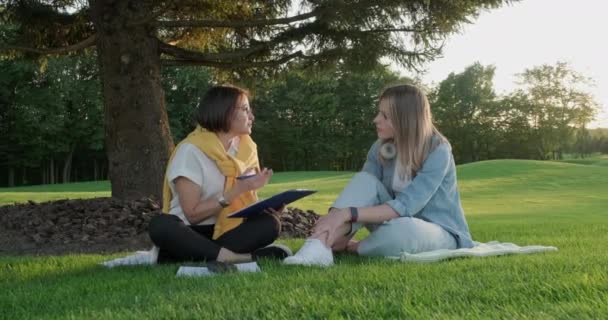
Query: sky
x=530, y=33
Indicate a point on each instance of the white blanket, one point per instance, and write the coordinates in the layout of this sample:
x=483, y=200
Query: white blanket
x=492, y=248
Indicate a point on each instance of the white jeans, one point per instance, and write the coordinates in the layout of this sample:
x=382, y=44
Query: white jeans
x=392, y=237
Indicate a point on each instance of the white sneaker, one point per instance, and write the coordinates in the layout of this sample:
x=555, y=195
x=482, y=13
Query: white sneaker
x=312, y=253
x=273, y=251
x=138, y=258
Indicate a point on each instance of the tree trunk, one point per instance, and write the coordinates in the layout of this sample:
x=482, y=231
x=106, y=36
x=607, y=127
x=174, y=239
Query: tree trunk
x=67, y=166
x=52, y=171
x=43, y=173
x=283, y=162
x=95, y=170
x=103, y=171
x=11, y=176
x=137, y=137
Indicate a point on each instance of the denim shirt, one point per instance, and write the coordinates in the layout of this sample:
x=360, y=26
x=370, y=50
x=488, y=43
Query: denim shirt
x=432, y=194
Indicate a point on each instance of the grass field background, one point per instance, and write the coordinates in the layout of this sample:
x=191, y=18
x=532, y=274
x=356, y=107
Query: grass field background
x=563, y=204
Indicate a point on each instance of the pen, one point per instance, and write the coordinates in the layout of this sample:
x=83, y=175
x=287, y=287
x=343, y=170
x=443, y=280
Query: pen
x=246, y=176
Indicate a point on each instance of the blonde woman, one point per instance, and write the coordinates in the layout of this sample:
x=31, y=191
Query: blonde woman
x=406, y=194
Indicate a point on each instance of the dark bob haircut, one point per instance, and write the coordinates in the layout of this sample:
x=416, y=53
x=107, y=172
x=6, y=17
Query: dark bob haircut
x=216, y=106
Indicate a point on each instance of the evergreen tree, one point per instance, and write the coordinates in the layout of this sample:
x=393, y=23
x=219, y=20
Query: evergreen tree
x=133, y=38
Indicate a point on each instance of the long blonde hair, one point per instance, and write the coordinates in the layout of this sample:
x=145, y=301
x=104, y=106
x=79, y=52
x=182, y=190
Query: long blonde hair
x=410, y=115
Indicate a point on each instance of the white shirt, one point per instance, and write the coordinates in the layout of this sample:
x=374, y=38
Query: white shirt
x=190, y=162
x=399, y=184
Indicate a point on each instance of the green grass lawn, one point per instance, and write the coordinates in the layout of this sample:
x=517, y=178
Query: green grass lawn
x=526, y=202
x=81, y=190
x=595, y=159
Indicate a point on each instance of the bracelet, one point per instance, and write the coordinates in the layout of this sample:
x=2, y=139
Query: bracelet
x=354, y=214
x=223, y=202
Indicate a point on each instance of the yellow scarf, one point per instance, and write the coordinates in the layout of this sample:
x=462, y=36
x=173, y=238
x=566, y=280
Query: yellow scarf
x=231, y=167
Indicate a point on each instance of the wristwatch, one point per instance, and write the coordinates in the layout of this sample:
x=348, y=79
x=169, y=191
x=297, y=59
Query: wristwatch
x=354, y=214
x=223, y=202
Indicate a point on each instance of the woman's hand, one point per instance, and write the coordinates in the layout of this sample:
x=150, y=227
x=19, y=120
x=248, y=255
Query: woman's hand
x=274, y=212
x=253, y=183
x=326, y=227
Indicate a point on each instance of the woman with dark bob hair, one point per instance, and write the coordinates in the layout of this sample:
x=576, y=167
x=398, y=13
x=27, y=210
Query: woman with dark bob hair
x=201, y=188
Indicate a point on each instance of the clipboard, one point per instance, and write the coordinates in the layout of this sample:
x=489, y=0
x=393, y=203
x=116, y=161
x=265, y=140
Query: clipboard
x=274, y=202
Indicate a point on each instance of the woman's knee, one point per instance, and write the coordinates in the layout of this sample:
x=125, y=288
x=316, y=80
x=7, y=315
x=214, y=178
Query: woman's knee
x=272, y=226
x=258, y=232
x=159, y=227
x=269, y=230
x=390, y=239
x=363, y=190
x=402, y=225
x=403, y=230
x=366, y=177
x=410, y=235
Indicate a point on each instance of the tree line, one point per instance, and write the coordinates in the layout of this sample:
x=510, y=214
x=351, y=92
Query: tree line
x=136, y=40
x=52, y=128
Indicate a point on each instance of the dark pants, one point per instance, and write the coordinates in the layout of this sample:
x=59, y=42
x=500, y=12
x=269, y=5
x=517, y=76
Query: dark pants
x=180, y=242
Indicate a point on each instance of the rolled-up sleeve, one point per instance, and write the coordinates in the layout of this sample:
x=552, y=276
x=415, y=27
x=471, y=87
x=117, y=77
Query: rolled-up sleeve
x=422, y=188
x=185, y=164
x=372, y=164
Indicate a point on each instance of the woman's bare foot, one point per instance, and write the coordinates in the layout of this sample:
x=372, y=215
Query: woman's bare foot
x=340, y=244
x=228, y=256
x=352, y=246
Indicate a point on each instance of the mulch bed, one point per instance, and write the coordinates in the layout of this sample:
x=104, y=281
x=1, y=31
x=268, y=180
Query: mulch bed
x=100, y=225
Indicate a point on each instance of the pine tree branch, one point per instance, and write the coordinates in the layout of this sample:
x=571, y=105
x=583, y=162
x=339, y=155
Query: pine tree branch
x=235, y=58
x=152, y=16
x=228, y=65
x=88, y=42
x=327, y=54
x=391, y=30
x=185, y=54
x=235, y=23
x=292, y=34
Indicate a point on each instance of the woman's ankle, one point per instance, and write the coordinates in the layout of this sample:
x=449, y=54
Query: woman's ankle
x=352, y=246
x=228, y=256
x=322, y=237
x=341, y=244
